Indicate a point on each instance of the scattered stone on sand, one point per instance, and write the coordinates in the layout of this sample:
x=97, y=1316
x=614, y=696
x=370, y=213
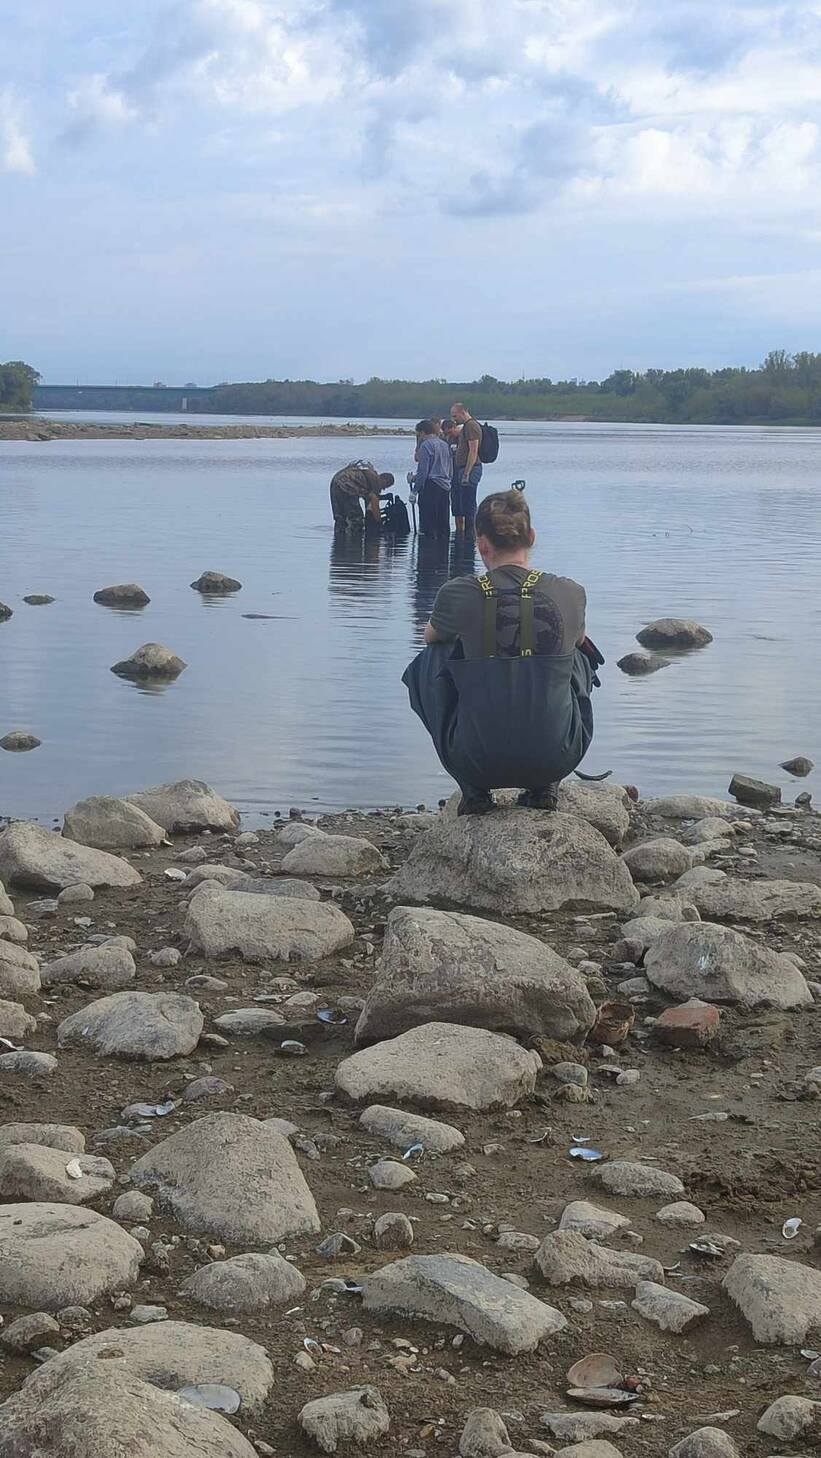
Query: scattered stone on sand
x=393, y=1231
x=186, y=807
x=567, y=1258
x=736, y=900
x=670, y=1310
x=295, y=831
x=289, y=886
x=661, y=859
x=800, y=766
x=230, y=1176
x=108, y=967
x=442, y=1066
x=249, y=1022
x=640, y=1181
x=693, y=1024
x=681, y=1215
x=145, y=1025
x=389, y=1174
x=758, y=793
x=791, y=1418
x=6, y=903
x=781, y=1299
x=245, y=1283
x=344, y=1418
x=638, y=665
x=580, y=1427
x=333, y=855
x=523, y=860
x=461, y=969
x=39, y=860
x=19, y=742
x=484, y=1435
x=165, y=957
x=452, y=1290
x=54, y=1255
x=29, y=1332
x=712, y=827
x=124, y=594
x=53, y=1136
x=216, y=583
x=594, y=1448
x=107, y=823
x=27, y=1063
x=75, y=895
x=12, y=930
x=402, y=1129
x=706, y=1443
x=591, y=1220
x=33, y=1172
x=690, y=807
x=15, y=1022
x=230, y=877
x=258, y=928
x=152, y=660
x=674, y=633
x=700, y=959
x=19, y=971
x=133, y=1205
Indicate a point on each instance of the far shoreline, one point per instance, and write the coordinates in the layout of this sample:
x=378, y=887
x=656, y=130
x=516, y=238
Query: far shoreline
x=66, y=430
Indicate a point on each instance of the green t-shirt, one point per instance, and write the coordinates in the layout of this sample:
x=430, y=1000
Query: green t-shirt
x=558, y=609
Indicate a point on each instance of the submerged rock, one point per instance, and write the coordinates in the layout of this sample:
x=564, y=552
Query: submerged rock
x=19, y=742
x=125, y=594
x=749, y=791
x=638, y=665
x=442, y=1066
x=152, y=660
x=108, y=823
x=674, y=633
x=216, y=583
x=800, y=766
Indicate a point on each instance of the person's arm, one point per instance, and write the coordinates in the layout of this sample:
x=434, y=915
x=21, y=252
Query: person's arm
x=583, y=631
x=445, y=619
x=423, y=458
x=370, y=492
x=474, y=437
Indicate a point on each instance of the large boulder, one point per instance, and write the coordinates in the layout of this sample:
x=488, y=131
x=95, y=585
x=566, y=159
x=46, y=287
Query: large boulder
x=344, y=1418
x=452, y=1290
x=700, y=959
x=522, y=860
x=689, y=807
x=33, y=1172
x=662, y=859
x=780, y=1299
x=109, y=967
x=106, y=823
x=333, y=855
x=53, y=1136
x=19, y=971
x=186, y=807
x=565, y=1257
x=151, y=661
x=230, y=1176
x=758, y=900
x=123, y=595
x=666, y=633
x=39, y=860
x=442, y=1066
x=448, y=967
x=216, y=584
x=605, y=807
x=55, y=1255
x=258, y=928
x=249, y=1282
x=145, y=1025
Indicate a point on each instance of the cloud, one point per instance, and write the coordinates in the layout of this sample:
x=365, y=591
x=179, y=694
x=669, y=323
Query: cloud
x=15, y=147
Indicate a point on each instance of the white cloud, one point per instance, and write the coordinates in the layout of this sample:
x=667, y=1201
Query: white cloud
x=95, y=102
x=15, y=147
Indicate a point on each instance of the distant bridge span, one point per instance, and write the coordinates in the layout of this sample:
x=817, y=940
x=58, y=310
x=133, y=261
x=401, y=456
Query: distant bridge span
x=151, y=398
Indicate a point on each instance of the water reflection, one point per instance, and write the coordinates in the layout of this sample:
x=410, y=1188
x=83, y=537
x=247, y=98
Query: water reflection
x=362, y=564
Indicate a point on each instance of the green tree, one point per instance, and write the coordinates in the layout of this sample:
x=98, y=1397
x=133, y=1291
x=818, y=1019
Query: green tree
x=17, y=381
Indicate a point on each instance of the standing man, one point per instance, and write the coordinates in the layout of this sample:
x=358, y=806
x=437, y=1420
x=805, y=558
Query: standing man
x=354, y=484
x=434, y=474
x=467, y=468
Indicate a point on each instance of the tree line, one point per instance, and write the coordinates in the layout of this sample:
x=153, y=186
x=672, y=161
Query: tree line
x=17, y=381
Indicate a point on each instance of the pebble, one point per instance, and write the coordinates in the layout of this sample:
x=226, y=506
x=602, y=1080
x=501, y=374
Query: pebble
x=73, y=895
x=144, y=1315
x=572, y=1073
x=165, y=957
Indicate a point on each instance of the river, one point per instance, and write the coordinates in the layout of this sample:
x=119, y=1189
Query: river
x=304, y=707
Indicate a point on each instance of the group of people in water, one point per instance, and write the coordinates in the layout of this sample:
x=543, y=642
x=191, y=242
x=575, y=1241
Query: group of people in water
x=503, y=685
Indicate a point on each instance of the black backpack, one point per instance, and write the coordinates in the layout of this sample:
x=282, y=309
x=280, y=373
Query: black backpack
x=489, y=446
x=395, y=520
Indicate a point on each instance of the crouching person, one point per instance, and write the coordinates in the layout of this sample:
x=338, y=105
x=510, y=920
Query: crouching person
x=357, y=483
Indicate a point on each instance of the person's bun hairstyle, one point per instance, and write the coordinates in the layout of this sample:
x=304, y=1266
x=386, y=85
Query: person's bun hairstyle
x=504, y=518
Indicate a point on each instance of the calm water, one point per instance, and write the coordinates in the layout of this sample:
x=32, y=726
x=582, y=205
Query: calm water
x=306, y=706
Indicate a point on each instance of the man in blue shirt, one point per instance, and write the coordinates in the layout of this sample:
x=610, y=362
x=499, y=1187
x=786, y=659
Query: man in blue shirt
x=434, y=472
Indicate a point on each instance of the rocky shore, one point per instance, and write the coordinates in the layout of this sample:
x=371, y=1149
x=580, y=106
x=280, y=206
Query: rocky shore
x=411, y=1134
x=38, y=430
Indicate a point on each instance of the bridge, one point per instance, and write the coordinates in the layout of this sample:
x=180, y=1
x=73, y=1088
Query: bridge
x=150, y=398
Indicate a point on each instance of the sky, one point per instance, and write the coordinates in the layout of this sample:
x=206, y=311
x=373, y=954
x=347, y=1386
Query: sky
x=246, y=189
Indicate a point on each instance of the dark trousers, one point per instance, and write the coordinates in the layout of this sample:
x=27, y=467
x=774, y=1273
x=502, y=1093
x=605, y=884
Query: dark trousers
x=434, y=516
x=347, y=510
x=463, y=494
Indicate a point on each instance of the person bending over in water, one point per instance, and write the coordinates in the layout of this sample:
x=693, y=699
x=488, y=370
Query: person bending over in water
x=503, y=686
x=355, y=483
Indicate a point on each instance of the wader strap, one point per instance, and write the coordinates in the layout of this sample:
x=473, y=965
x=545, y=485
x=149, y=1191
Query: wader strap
x=527, y=635
x=489, y=630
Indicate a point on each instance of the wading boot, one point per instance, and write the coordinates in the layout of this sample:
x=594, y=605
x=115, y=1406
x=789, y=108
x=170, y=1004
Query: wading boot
x=479, y=803
x=547, y=798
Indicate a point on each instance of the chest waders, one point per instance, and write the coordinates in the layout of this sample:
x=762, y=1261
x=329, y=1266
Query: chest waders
x=527, y=636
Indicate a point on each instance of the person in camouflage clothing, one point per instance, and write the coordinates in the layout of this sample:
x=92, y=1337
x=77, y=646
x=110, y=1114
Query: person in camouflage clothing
x=357, y=482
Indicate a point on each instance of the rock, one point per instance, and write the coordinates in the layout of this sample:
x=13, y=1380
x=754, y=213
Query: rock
x=754, y=792
x=6, y=904
x=108, y=967
x=690, y=807
x=788, y=1417
x=605, y=807
x=693, y=879
x=461, y=969
x=186, y=807
x=800, y=766
x=165, y=957
x=295, y=831
x=591, y=1220
x=30, y=1065
x=144, y=1315
x=692, y=1025
x=670, y=1310
x=5, y=612
x=293, y=887
x=452, y=1290
x=681, y=1214
x=571, y=1073
x=523, y=860
x=389, y=1174
x=53, y=1136
x=19, y=742
x=230, y=1176
x=145, y=1025
x=595, y=1448
x=245, y=1283
x=674, y=633
x=133, y=1205
x=228, y=876
x=578, y=1427
x=706, y=1443
x=700, y=959
x=657, y=860
x=343, y=1418
x=258, y=928
x=33, y=1172
x=393, y=1231
x=442, y=1066
x=206, y=1088
x=125, y=595
x=152, y=660
x=75, y=895
x=107, y=823
x=780, y=1299
x=15, y=1022
x=249, y=1022
x=38, y=859
x=54, y=1255
x=565, y=1257
x=216, y=584
x=712, y=827
x=19, y=971
x=668, y=906
x=29, y=1332
x=484, y=1435
x=403, y=1129
x=758, y=900
x=641, y=1181
x=333, y=855
x=637, y=665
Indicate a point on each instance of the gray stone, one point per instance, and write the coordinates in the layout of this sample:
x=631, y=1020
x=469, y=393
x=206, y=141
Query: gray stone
x=800, y=766
x=578, y=1427
x=681, y=1215
x=690, y=807
x=389, y=1174
x=15, y=1022
x=12, y=930
x=6, y=903
x=758, y=900
x=75, y=895
x=670, y=1310
x=594, y=1448
x=605, y=807
x=565, y=1257
x=343, y=1418
x=152, y=660
x=249, y=1022
x=108, y=823
x=186, y=807
x=670, y=905
x=442, y=1066
x=146, y=1025
x=38, y=859
x=245, y=1283
x=144, y=1315
x=19, y=742
x=259, y=928
x=165, y=957
x=712, y=827
x=706, y=1443
x=628, y=1177
x=216, y=584
x=333, y=855
x=674, y=633
x=692, y=879
x=657, y=860
x=295, y=831
x=638, y=665
x=522, y=860
x=228, y=876
x=33, y=1172
x=749, y=791
x=591, y=1220
x=484, y=1435
x=29, y=1064
x=788, y=1417
x=38, y=599
x=133, y=1205
x=124, y=594
x=54, y=1255
x=452, y=1290
x=29, y=1332
x=53, y=1136
x=780, y=1299
x=206, y=1088
x=19, y=971
x=700, y=959
x=444, y=966
x=393, y=1231
x=292, y=887
x=230, y=1176
x=109, y=968
x=403, y=1129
